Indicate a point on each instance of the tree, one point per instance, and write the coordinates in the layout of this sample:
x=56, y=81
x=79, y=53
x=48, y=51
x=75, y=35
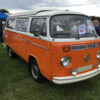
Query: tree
x=95, y=17
x=4, y=10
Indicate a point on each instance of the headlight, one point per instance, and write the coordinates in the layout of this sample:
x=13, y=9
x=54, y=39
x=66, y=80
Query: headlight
x=98, y=55
x=65, y=61
x=98, y=66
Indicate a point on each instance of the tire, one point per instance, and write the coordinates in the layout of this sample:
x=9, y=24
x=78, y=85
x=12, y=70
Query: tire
x=35, y=72
x=11, y=53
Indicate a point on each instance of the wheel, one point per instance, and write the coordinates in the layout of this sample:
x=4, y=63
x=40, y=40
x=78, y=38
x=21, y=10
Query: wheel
x=35, y=72
x=11, y=53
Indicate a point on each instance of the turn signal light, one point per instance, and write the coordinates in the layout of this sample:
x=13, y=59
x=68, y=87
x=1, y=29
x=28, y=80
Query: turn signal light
x=66, y=48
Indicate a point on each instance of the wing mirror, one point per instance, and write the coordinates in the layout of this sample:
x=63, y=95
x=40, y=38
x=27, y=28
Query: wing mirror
x=36, y=32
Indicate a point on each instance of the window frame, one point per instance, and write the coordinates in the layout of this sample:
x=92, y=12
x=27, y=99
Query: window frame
x=45, y=19
x=59, y=15
x=20, y=18
x=8, y=21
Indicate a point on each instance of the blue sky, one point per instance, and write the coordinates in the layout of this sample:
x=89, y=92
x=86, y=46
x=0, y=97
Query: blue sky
x=89, y=7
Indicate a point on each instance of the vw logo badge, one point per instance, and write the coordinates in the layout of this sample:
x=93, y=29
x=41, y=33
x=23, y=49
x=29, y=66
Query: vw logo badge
x=87, y=58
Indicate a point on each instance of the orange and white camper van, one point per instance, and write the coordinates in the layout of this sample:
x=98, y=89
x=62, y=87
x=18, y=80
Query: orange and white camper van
x=61, y=46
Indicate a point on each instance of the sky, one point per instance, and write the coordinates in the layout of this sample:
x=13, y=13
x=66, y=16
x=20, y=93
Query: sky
x=88, y=7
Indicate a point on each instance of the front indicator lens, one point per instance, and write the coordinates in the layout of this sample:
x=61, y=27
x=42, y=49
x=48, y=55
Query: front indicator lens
x=74, y=72
x=66, y=48
x=65, y=61
x=98, y=66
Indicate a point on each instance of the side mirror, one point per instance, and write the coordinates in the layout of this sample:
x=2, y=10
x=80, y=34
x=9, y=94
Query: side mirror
x=36, y=32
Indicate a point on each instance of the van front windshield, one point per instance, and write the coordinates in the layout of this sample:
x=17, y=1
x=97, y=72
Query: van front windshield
x=72, y=26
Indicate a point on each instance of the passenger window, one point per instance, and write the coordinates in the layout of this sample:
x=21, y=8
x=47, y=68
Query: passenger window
x=21, y=24
x=10, y=23
x=38, y=27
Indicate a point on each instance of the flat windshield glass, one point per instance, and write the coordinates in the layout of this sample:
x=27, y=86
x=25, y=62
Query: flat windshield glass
x=72, y=26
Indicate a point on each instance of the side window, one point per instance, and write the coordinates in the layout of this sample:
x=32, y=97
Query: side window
x=18, y=25
x=21, y=24
x=38, y=26
x=10, y=23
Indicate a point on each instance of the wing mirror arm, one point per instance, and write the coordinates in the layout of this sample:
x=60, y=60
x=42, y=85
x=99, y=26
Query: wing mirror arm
x=36, y=32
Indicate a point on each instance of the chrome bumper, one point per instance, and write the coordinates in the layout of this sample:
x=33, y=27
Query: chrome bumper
x=72, y=79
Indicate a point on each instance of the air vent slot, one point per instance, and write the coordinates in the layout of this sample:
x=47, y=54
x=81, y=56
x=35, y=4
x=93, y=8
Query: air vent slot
x=93, y=45
x=78, y=47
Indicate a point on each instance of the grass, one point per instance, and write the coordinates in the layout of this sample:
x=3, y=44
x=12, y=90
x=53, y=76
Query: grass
x=16, y=83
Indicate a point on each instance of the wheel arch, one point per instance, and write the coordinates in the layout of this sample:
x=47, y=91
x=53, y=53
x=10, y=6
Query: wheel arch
x=31, y=57
x=8, y=46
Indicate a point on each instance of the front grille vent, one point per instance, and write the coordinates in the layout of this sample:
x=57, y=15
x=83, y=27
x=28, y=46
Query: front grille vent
x=93, y=45
x=78, y=47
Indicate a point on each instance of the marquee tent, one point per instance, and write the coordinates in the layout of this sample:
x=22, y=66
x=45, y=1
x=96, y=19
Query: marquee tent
x=3, y=16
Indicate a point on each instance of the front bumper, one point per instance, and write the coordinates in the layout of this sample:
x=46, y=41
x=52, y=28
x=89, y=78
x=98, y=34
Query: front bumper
x=72, y=79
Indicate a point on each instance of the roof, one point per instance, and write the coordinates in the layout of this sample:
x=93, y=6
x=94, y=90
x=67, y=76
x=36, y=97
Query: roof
x=46, y=12
x=56, y=12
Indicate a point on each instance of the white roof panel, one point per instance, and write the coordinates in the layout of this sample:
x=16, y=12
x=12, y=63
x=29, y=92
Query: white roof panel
x=50, y=13
x=46, y=12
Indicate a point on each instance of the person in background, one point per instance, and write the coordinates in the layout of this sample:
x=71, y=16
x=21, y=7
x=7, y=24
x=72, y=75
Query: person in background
x=97, y=26
x=76, y=26
x=1, y=32
x=3, y=27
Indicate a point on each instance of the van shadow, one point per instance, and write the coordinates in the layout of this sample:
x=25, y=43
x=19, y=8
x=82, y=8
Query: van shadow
x=78, y=89
x=81, y=87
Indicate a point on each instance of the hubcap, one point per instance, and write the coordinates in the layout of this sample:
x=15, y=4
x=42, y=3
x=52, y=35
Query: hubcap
x=10, y=52
x=34, y=71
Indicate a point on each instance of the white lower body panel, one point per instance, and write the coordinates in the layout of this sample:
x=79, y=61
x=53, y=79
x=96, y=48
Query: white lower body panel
x=76, y=78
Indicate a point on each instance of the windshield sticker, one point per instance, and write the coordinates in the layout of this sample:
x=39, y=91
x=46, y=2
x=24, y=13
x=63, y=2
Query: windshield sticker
x=59, y=28
x=82, y=29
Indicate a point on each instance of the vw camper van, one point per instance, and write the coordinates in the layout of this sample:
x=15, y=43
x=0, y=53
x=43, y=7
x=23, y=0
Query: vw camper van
x=59, y=45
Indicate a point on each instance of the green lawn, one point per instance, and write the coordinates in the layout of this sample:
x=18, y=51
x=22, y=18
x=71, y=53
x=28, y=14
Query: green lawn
x=16, y=83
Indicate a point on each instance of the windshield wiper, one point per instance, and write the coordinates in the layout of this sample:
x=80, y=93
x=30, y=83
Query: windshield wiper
x=77, y=37
x=87, y=34
x=68, y=35
x=61, y=34
x=92, y=34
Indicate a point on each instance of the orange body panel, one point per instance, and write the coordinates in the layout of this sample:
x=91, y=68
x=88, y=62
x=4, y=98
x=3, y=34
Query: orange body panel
x=26, y=46
x=76, y=57
x=49, y=54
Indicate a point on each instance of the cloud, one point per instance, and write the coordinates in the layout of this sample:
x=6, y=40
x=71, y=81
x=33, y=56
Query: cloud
x=29, y=4
x=78, y=5
x=94, y=2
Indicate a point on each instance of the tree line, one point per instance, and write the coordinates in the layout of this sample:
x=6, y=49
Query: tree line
x=4, y=10
x=95, y=17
